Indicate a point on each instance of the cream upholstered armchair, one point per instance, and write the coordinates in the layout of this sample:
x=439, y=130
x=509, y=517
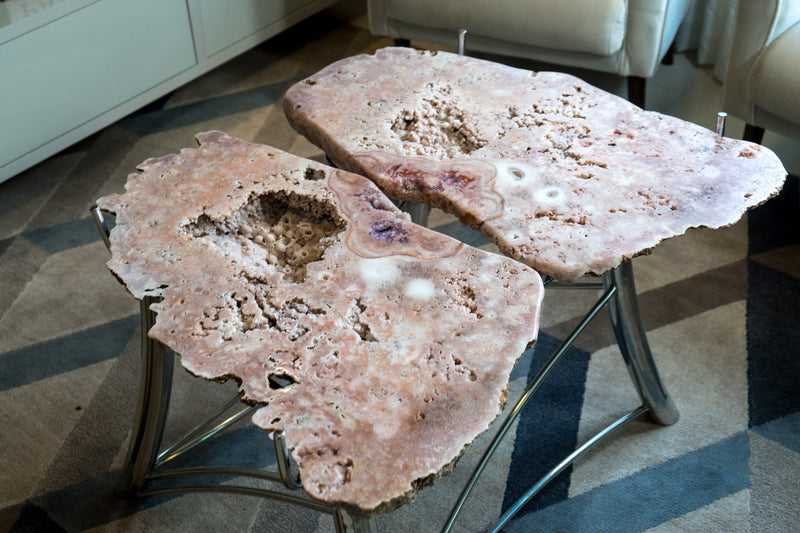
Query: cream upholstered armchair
x=762, y=81
x=625, y=37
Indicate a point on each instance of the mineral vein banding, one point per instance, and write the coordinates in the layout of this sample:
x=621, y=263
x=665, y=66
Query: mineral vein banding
x=562, y=176
x=382, y=348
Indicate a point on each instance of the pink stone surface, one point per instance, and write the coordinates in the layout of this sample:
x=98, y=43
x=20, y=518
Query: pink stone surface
x=397, y=341
x=562, y=176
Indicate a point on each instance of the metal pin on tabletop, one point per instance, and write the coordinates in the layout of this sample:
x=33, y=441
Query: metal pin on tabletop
x=462, y=41
x=722, y=116
x=102, y=227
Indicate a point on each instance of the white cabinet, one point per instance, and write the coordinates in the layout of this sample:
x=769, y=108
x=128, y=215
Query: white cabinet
x=71, y=67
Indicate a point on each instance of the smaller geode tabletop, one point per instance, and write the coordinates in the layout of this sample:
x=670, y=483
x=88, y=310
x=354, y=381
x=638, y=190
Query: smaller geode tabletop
x=397, y=342
x=562, y=176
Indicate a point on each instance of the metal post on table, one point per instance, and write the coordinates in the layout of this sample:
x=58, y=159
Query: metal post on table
x=722, y=117
x=102, y=227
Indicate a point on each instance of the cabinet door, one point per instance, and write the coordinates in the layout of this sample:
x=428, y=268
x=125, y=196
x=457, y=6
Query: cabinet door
x=71, y=70
x=227, y=21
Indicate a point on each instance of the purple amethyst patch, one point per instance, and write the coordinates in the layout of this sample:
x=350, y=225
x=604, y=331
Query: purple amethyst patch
x=388, y=230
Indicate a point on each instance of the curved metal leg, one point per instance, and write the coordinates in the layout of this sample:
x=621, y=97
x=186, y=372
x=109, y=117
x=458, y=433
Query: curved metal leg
x=632, y=340
x=515, y=412
x=620, y=296
x=347, y=523
x=143, y=455
x=151, y=410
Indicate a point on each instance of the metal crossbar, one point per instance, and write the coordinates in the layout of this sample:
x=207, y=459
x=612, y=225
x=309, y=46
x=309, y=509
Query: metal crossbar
x=620, y=298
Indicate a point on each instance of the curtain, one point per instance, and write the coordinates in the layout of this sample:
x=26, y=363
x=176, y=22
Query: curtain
x=707, y=29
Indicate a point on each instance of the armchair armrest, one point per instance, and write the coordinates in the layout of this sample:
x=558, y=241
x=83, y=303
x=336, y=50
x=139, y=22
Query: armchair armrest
x=646, y=18
x=757, y=23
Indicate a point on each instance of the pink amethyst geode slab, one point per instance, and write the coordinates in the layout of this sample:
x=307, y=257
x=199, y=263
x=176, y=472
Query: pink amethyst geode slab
x=562, y=176
x=397, y=342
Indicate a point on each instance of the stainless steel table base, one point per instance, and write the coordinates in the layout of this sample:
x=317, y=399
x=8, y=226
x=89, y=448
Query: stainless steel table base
x=145, y=463
x=620, y=297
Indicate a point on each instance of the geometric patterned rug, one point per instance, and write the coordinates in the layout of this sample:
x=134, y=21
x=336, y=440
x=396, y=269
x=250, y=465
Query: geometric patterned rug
x=721, y=308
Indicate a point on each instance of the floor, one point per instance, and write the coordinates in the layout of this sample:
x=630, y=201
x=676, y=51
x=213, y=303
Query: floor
x=52, y=272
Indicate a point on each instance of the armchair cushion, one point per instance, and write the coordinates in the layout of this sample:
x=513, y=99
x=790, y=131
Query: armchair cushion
x=587, y=26
x=775, y=81
x=626, y=37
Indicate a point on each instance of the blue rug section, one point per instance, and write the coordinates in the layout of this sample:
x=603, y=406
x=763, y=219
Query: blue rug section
x=774, y=224
x=64, y=354
x=773, y=341
x=773, y=335
x=64, y=236
x=548, y=426
x=34, y=519
x=653, y=496
x=784, y=431
x=247, y=446
x=147, y=123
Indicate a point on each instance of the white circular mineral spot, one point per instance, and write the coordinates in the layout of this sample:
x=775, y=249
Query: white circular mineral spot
x=379, y=270
x=420, y=289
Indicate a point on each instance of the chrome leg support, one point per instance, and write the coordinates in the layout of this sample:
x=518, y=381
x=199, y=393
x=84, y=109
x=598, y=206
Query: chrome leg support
x=151, y=411
x=419, y=212
x=289, y=479
x=347, y=523
x=517, y=409
x=623, y=304
x=204, y=431
x=520, y=503
x=632, y=340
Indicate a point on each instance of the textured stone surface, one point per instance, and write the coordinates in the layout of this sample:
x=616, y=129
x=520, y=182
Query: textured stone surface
x=559, y=174
x=382, y=348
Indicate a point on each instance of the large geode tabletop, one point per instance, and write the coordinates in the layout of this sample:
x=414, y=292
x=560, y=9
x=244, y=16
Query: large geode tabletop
x=397, y=342
x=559, y=174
